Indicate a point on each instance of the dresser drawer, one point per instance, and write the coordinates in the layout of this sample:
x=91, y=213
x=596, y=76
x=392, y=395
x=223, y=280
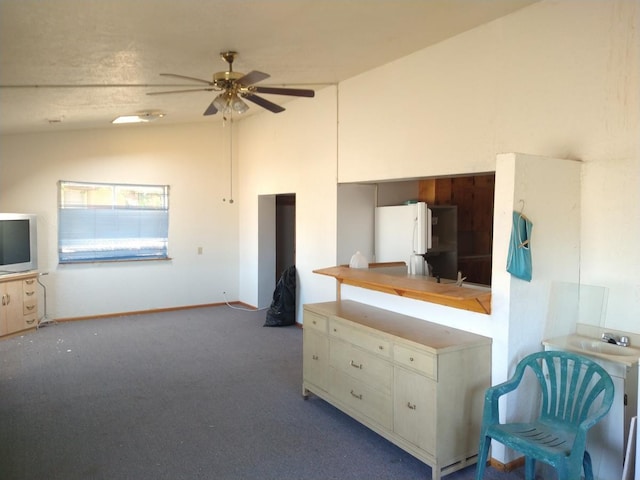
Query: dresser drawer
x=373, y=404
x=29, y=289
x=315, y=321
x=30, y=307
x=30, y=320
x=351, y=333
x=424, y=362
x=364, y=366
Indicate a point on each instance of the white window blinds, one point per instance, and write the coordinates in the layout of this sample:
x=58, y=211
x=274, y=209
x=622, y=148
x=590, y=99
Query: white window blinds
x=112, y=222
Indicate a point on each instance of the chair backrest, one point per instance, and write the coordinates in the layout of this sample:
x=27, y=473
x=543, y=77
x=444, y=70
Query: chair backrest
x=574, y=388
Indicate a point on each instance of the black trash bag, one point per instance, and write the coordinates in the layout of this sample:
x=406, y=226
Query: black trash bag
x=282, y=311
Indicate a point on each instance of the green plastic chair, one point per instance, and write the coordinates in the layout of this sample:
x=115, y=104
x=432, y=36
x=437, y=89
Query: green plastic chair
x=576, y=393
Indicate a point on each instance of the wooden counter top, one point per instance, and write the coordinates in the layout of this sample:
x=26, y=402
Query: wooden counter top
x=413, y=286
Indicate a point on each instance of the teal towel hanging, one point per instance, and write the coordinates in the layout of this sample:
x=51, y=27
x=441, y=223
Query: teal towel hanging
x=519, y=259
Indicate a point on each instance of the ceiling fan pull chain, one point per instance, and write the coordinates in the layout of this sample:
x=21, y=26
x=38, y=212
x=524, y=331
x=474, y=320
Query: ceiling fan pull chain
x=230, y=158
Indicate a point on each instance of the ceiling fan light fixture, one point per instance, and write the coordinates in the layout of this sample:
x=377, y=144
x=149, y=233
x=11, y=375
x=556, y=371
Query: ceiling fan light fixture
x=238, y=105
x=220, y=102
x=228, y=102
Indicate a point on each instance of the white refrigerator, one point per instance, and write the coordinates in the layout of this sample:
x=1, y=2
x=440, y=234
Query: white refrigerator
x=402, y=234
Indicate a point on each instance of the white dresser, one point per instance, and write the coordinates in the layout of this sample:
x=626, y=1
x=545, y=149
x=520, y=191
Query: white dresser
x=418, y=384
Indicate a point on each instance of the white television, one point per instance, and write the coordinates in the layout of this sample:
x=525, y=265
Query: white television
x=18, y=243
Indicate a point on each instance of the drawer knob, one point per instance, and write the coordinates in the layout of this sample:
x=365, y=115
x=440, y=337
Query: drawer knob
x=380, y=347
x=356, y=395
x=411, y=359
x=356, y=365
x=411, y=406
x=31, y=321
x=315, y=357
x=314, y=322
x=28, y=294
x=28, y=282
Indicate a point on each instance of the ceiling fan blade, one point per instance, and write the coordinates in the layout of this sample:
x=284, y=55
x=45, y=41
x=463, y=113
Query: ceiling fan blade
x=181, y=91
x=295, y=92
x=211, y=109
x=253, y=77
x=272, y=107
x=186, y=78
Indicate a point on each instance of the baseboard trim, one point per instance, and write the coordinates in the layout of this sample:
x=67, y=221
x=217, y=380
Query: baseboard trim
x=152, y=310
x=507, y=467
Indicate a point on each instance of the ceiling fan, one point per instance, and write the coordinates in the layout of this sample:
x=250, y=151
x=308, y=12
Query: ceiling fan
x=234, y=86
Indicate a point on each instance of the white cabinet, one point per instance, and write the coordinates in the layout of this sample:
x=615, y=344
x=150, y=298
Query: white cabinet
x=19, y=303
x=418, y=384
x=607, y=440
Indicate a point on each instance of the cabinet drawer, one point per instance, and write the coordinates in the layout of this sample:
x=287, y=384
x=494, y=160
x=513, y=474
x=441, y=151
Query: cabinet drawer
x=367, y=401
x=424, y=362
x=315, y=321
x=30, y=307
x=351, y=333
x=28, y=291
x=370, y=369
x=30, y=320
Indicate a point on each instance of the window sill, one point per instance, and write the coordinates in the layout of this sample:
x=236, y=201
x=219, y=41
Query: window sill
x=116, y=260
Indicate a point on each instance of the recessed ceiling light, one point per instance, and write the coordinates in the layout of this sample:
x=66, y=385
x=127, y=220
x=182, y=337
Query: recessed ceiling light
x=139, y=118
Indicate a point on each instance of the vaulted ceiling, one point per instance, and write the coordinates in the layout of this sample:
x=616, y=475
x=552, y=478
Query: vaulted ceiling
x=72, y=64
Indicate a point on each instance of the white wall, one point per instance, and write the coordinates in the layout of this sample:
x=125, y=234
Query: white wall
x=356, y=225
x=547, y=191
x=291, y=152
x=192, y=159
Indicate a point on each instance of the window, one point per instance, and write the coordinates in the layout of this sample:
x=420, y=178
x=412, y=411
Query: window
x=111, y=222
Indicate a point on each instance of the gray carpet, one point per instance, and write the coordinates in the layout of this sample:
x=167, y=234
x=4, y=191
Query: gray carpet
x=204, y=393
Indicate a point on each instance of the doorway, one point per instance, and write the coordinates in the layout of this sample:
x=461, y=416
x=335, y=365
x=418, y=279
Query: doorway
x=285, y=232
x=276, y=241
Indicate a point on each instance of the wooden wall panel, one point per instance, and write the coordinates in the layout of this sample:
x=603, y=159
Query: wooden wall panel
x=474, y=196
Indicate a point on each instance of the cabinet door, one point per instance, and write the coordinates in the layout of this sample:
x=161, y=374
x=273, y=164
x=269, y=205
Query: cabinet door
x=4, y=328
x=13, y=318
x=415, y=409
x=315, y=358
x=606, y=440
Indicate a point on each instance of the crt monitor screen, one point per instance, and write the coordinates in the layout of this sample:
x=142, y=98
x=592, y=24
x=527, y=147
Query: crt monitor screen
x=14, y=242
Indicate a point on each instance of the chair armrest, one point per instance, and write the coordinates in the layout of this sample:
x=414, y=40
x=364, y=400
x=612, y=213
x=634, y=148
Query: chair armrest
x=493, y=394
